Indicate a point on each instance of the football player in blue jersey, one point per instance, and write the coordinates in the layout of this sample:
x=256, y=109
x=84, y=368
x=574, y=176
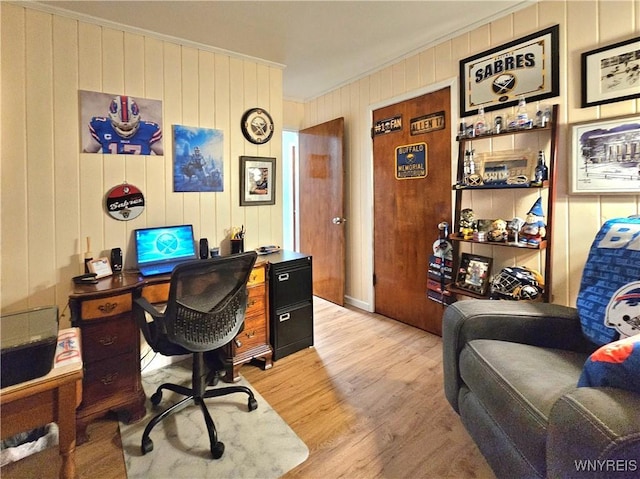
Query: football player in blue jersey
x=123, y=132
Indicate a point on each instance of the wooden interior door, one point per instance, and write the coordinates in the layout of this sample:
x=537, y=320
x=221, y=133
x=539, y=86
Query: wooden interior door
x=407, y=211
x=322, y=206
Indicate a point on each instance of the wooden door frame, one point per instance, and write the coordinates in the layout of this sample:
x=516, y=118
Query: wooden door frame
x=452, y=83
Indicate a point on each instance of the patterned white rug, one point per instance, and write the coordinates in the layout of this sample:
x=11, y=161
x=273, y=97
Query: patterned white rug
x=258, y=444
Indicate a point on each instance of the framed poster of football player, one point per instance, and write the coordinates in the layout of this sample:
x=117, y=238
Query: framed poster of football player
x=527, y=67
x=120, y=124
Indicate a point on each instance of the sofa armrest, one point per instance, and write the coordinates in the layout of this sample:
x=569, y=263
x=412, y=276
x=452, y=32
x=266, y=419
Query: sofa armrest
x=538, y=324
x=594, y=432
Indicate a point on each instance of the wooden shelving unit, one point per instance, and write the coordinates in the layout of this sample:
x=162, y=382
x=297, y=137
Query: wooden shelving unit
x=545, y=188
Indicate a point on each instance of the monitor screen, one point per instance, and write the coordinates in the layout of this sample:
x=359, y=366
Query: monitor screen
x=165, y=243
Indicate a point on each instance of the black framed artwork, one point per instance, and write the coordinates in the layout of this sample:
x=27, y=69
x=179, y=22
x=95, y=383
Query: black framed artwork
x=527, y=67
x=257, y=181
x=611, y=73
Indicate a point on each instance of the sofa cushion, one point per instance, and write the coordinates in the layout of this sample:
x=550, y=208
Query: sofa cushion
x=518, y=384
x=614, y=365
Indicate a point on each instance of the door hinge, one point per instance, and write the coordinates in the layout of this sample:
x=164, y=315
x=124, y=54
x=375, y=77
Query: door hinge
x=374, y=279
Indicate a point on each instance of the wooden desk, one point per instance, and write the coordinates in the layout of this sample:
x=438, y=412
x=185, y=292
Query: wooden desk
x=111, y=341
x=51, y=398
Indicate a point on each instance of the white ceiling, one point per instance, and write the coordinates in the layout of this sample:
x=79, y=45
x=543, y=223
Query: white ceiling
x=322, y=44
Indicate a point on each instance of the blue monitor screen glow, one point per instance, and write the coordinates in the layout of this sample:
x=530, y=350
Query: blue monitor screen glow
x=167, y=243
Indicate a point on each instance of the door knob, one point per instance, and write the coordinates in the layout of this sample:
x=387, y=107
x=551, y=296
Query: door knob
x=338, y=221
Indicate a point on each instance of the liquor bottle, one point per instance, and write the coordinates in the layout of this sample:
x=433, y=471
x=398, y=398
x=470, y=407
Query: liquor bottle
x=541, y=172
x=481, y=123
x=521, y=113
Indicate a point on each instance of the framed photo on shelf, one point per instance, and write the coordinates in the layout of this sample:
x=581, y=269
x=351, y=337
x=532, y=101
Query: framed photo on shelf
x=611, y=73
x=605, y=158
x=527, y=67
x=473, y=273
x=257, y=181
x=513, y=167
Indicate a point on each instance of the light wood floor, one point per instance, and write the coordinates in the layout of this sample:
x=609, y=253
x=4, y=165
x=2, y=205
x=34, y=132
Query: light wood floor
x=367, y=400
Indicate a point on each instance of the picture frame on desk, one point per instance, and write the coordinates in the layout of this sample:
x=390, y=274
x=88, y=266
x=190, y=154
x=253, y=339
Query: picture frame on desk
x=473, y=273
x=100, y=266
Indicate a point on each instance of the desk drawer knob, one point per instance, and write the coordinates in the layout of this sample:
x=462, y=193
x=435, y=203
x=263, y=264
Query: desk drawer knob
x=250, y=335
x=106, y=308
x=238, y=343
x=108, y=378
x=108, y=340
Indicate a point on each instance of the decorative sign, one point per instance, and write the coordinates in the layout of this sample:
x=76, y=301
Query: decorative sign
x=526, y=67
x=411, y=161
x=124, y=202
x=427, y=123
x=388, y=125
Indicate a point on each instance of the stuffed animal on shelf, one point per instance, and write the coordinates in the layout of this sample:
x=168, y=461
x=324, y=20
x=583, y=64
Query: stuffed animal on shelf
x=498, y=231
x=534, y=229
x=467, y=223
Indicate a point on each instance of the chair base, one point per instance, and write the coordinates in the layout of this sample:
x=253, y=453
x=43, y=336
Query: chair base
x=198, y=393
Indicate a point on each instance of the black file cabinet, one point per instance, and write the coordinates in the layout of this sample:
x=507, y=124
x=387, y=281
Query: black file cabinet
x=290, y=302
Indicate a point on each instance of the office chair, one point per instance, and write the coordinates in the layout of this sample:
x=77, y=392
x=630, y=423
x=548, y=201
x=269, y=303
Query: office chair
x=205, y=311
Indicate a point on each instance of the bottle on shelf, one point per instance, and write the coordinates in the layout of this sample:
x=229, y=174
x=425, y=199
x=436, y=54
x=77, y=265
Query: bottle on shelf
x=541, y=172
x=522, y=117
x=480, y=125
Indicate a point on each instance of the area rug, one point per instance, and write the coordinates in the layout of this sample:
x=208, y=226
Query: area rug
x=258, y=444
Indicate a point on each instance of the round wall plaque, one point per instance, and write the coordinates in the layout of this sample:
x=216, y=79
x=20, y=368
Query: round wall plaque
x=257, y=126
x=124, y=202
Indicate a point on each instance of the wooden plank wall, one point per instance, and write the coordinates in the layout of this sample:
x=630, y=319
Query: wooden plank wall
x=584, y=25
x=52, y=195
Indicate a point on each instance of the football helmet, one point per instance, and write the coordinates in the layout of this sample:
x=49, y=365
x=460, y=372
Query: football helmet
x=623, y=310
x=125, y=115
x=517, y=283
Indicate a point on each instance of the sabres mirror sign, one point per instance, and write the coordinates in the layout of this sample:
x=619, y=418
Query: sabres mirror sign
x=411, y=161
x=495, y=79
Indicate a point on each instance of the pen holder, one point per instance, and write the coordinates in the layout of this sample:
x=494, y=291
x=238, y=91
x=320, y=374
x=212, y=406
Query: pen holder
x=237, y=246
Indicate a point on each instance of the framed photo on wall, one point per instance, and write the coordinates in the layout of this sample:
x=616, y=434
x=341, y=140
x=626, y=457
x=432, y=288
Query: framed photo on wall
x=611, y=73
x=473, y=273
x=527, y=67
x=605, y=156
x=257, y=181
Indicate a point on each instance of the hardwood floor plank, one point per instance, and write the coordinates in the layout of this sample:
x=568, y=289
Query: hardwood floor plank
x=367, y=400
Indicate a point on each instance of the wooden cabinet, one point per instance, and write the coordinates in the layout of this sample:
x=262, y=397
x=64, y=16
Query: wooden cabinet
x=507, y=200
x=110, y=352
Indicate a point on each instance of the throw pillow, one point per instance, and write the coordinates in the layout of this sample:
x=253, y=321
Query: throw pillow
x=606, y=287
x=615, y=365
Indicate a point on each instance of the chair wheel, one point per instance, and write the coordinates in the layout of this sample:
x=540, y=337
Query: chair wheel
x=218, y=450
x=253, y=404
x=147, y=446
x=156, y=397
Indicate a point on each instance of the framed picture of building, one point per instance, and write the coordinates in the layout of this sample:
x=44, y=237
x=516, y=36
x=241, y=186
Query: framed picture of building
x=605, y=156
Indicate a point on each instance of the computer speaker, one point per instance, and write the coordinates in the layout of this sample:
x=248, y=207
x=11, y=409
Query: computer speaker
x=204, y=248
x=116, y=260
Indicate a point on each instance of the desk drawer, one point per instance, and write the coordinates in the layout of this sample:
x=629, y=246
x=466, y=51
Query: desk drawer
x=116, y=376
x=156, y=293
x=104, y=307
x=253, y=334
x=108, y=339
x=255, y=302
x=257, y=276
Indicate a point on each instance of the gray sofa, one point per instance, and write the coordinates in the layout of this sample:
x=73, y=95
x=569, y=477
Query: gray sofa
x=510, y=371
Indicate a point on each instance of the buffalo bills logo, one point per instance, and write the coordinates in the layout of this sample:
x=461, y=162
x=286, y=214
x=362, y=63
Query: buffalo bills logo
x=623, y=311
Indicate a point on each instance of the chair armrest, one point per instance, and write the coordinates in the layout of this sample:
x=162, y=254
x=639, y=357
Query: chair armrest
x=538, y=324
x=595, y=427
x=141, y=306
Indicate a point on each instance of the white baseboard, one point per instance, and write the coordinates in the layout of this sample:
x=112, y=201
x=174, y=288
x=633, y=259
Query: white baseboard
x=359, y=304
